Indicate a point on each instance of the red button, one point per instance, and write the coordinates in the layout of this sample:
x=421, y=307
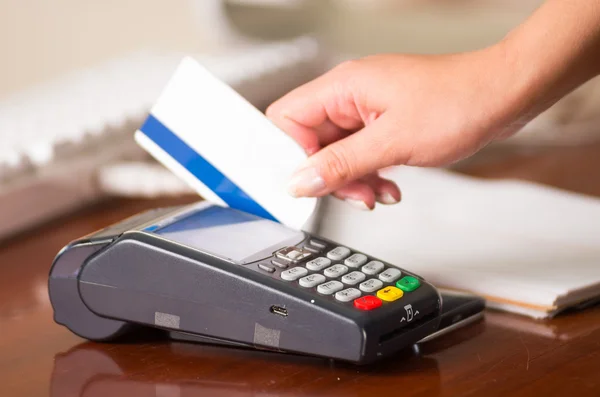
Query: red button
x=368, y=302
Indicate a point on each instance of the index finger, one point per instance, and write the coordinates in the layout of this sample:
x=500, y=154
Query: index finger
x=316, y=113
x=298, y=113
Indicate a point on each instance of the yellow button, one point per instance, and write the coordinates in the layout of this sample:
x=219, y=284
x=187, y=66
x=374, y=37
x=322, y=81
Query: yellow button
x=390, y=294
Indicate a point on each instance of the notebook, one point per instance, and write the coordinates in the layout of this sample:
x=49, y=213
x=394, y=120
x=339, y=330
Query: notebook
x=527, y=248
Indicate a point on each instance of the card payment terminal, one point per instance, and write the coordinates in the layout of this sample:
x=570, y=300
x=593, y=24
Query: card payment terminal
x=208, y=273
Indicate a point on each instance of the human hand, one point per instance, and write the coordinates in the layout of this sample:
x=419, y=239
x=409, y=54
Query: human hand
x=386, y=110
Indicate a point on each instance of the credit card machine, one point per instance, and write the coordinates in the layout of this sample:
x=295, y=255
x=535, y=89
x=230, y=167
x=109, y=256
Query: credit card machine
x=207, y=273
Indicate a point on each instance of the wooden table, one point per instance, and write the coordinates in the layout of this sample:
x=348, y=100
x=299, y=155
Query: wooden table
x=503, y=355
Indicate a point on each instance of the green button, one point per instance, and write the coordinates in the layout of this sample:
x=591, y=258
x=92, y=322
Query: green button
x=408, y=283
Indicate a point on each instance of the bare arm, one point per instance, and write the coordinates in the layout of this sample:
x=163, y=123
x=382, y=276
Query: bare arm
x=556, y=50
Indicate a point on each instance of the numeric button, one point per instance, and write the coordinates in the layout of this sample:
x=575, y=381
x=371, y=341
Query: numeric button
x=318, y=264
x=336, y=271
x=353, y=278
x=370, y=285
x=338, y=253
x=372, y=268
x=311, y=280
x=330, y=287
x=356, y=260
x=347, y=295
x=390, y=275
x=294, y=273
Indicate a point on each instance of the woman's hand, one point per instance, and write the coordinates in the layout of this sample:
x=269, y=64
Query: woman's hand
x=388, y=110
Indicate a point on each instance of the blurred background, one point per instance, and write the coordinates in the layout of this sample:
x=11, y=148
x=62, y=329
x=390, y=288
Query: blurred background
x=41, y=40
x=77, y=78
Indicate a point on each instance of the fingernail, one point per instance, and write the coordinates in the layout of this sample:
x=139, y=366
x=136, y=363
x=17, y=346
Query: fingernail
x=386, y=198
x=358, y=204
x=306, y=183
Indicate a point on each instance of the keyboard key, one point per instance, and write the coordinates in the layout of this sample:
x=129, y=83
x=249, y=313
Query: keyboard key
x=347, y=295
x=317, y=243
x=311, y=280
x=390, y=275
x=336, y=271
x=370, y=285
x=294, y=273
x=279, y=263
x=356, y=260
x=312, y=249
x=353, y=278
x=372, y=267
x=266, y=268
x=330, y=287
x=292, y=254
x=368, y=302
x=390, y=294
x=338, y=253
x=318, y=264
x=408, y=283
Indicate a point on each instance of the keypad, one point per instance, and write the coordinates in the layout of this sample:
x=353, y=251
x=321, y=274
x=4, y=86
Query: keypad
x=371, y=285
x=356, y=260
x=353, y=278
x=373, y=267
x=311, y=280
x=336, y=271
x=338, y=253
x=294, y=273
x=330, y=287
x=390, y=275
x=318, y=264
x=347, y=295
x=341, y=274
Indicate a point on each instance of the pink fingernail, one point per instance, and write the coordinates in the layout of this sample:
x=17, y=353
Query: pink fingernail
x=306, y=183
x=386, y=198
x=358, y=204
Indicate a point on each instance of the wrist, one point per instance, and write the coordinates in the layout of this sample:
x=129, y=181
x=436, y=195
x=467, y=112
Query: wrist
x=515, y=88
x=552, y=53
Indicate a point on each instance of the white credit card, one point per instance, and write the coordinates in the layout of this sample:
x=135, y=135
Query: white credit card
x=223, y=147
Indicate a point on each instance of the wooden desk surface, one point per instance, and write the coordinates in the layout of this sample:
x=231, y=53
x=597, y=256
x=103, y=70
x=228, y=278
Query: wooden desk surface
x=503, y=355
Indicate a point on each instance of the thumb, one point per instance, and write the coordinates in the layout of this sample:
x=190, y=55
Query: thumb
x=366, y=151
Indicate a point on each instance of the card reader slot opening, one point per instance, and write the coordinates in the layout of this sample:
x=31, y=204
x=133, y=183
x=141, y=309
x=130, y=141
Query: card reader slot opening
x=389, y=336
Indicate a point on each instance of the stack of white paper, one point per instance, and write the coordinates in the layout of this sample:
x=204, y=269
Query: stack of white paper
x=527, y=248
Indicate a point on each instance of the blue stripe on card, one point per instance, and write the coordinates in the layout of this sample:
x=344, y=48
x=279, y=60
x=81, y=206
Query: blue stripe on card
x=205, y=172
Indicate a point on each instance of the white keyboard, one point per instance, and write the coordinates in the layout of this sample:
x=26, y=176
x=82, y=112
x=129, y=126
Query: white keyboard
x=59, y=142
